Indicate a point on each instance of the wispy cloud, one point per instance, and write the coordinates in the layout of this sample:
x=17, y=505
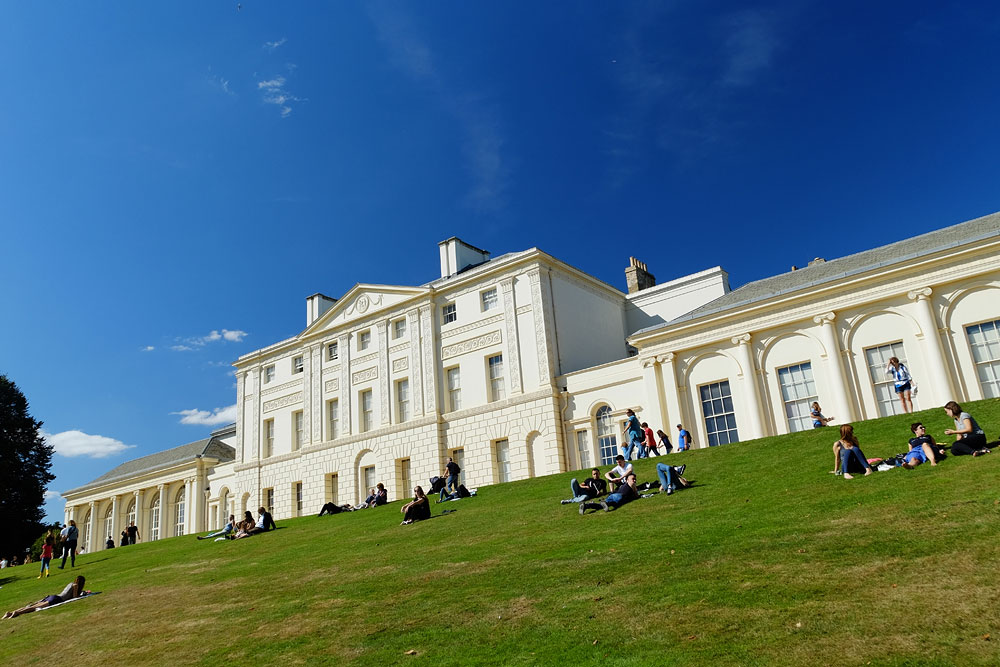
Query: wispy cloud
x=274, y=92
x=77, y=443
x=51, y=495
x=487, y=160
x=271, y=46
x=214, y=336
x=148, y=348
x=750, y=46
x=221, y=83
x=216, y=417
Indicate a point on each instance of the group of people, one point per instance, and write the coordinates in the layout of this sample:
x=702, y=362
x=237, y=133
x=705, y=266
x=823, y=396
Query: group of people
x=237, y=530
x=623, y=481
x=639, y=442
x=970, y=440
x=130, y=535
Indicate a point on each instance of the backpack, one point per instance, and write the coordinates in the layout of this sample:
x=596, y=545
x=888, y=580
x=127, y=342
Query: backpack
x=437, y=483
x=463, y=492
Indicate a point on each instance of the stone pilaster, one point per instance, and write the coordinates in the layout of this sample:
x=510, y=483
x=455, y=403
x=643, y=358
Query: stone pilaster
x=512, y=354
x=745, y=355
x=428, y=357
x=385, y=400
x=939, y=379
x=835, y=369
x=416, y=379
x=344, y=399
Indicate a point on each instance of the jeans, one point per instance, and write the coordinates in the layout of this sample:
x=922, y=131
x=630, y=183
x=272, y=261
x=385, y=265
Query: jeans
x=666, y=474
x=45, y=564
x=452, y=483
x=579, y=495
x=224, y=531
x=633, y=442
x=845, y=456
x=69, y=549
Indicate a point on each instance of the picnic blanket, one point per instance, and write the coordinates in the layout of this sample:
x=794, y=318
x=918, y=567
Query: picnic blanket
x=81, y=597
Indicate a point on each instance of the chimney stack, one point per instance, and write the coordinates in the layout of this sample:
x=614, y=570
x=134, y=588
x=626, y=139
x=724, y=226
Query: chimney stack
x=637, y=277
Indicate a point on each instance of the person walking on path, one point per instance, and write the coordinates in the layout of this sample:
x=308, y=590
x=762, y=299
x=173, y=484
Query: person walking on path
x=903, y=382
x=133, y=533
x=634, y=437
x=683, y=439
x=70, y=534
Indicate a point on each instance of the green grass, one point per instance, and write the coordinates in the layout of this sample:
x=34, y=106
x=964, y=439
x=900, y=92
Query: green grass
x=769, y=560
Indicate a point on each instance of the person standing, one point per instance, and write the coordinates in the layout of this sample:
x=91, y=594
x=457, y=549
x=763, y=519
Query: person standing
x=683, y=439
x=133, y=533
x=650, y=444
x=664, y=442
x=903, y=382
x=451, y=472
x=69, y=535
x=124, y=538
x=633, y=437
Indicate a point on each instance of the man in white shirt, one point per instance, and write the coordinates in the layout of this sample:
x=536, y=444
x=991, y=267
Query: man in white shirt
x=618, y=474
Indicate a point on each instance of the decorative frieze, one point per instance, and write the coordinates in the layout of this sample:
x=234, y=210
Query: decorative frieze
x=365, y=375
x=471, y=345
x=400, y=365
x=521, y=310
x=479, y=324
x=332, y=385
x=277, y=389
x=282, y=402
x=364, y=360
x=399, y=348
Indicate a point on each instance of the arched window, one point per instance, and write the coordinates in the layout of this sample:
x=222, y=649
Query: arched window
x=607, y=435
x=154, y=518
x=179, y=528
x=109, y=522
x=86, y=528
x=130, y=514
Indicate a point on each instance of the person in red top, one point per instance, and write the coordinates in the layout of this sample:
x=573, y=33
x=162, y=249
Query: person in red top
x=50, y=540
x=650, y=443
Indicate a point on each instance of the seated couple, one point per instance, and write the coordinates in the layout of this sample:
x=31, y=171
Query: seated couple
x=665, y=472
x=248, y=527
x=376, y=496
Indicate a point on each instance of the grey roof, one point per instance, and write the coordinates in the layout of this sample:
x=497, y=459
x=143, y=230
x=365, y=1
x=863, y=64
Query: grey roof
x=207, y=448
x=808, y=277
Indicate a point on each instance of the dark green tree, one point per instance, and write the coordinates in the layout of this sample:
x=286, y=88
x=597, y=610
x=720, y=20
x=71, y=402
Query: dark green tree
x=25, y=459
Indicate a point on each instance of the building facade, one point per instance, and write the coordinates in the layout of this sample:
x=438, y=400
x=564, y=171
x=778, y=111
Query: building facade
x=521, y=365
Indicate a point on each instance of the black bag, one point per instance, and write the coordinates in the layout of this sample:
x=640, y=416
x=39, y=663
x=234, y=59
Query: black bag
x=463, y=492
x=437, y=483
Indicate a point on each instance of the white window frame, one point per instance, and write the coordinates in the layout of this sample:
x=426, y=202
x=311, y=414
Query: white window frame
x=403, y=400
x=367, y=479
x=155, y=509
x=297, y=498
x=501, y=455
x=332, y=351
x=333, y=419
x=366, y=409
x=583, y=448
x=495, y=374
x=607, y=435
x=180, y=511
x=298, y=365
x=269, y=500
x=405, y=483
x=399, y=328
x=364, y=340
x=883, y=384
x=984, y=348
x=719, y=406
x=453, y=381
x=268, y=443
x=298, y=430
x=268, y=374
x=797, y=395
x=489, y=299
x=449, y=313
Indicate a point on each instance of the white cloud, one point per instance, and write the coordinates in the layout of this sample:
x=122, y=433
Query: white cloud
x=233, y=336
x=750, y=46
x=271, y=46
x=50, y=495
x=78, y=443
x=214, y=336
x=181, y=348
x=148, y=348
x=274, y=92
x=217, y=417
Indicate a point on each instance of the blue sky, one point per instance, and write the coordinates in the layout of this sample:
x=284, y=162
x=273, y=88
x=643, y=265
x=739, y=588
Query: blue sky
x=176, y=178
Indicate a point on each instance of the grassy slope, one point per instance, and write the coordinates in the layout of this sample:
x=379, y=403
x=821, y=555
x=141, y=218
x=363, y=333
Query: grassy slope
x=769, y=560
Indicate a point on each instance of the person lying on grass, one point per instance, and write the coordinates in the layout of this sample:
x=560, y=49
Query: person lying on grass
x=417, y=509
x=230, y=527
x=332, y=508
x=847, y=448
x=625, y=493
x=73, y=590
x=671, y=477
x=618, y=474
x=587, y=489
x=922, y=448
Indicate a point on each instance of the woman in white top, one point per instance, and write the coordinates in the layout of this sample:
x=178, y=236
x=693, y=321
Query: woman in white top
x=903, y=381
x=74, y=589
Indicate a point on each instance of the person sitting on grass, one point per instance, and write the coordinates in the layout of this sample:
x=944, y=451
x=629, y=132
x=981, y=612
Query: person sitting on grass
x=417, y=509
x=922, y=448
x=381, y=495
x=625, y=493
x=264, y=524
x=230, y=526
x=671, y=477
x=74, y=589
x=243, y=527
x=587, y=489
x=618, y=474
x=819, y=421
x=369, y=500
x=971, y=438
x=848, y=448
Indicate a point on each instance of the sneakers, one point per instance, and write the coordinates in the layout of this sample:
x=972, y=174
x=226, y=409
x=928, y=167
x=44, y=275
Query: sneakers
x=565, y=502
x=670, y=490
x=680, y=470
x=583, y=508
x=200, y=537
x=605, y=506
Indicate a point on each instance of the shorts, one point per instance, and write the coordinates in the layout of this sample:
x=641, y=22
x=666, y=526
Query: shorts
x=916, y=456
x=52, y=599
x=900, y=388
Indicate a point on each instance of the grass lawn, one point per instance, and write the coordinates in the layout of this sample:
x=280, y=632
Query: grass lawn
x=768, y=560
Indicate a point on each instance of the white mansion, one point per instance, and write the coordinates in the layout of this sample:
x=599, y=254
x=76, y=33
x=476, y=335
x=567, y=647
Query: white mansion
x=522, y=365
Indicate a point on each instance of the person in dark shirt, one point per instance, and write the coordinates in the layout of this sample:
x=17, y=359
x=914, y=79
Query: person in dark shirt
x=626, y=493
x=588, y=489
x=133, y=533
x=264, y=523
x=922, y=448
x=451, y=472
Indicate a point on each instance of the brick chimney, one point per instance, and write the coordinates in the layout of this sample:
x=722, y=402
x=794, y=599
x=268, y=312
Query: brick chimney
x=637, y=277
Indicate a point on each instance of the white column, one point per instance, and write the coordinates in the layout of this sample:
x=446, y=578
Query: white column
x=192, y=504
x=201, y=518
x=416, y=378
x=140, y=519
x=241, y=383
x=652, y=412
x=512, y=351
x=164, y=489
x=255, y=447
x=90, y=528
x=671, y=395
x=116, y=527
x=842, y=408
x=428, y=357
x=750, y=384
x=939, y=380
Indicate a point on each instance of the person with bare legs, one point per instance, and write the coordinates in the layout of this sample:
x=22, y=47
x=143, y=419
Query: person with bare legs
x=903, y=381
x=73, y=590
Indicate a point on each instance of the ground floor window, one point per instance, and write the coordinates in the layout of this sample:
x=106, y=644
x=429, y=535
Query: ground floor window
x=269, y=499
x=502, y=449
x=332, y=487
x=458, y=456
x=985, y=342
x=154, y=519
x=109, y=523
x=720, y=419
x=404, y=489
x=798, y=391
x=583, y=448
x=298, y=499
x=179, y=526
x=883, y=383
x=368, y=477
x=607, y=436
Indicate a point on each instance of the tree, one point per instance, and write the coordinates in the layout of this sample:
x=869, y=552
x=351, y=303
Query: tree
x=25, y=459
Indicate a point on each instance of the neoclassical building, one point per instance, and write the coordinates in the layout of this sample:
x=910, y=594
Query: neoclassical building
x=522, y=365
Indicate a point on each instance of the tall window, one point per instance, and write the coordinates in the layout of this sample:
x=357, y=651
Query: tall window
x=109, y=523
x=607, y=436
x=798, y=391
x=503, y=460
x=180, y=512
x=268, y=438
x=497, y=390
x=154, y=519
x=332, y=488
x=448, y=313
x=268, y=373
x=984, y=339
x=404, y=485
x=720, y=420
x=458, y=455
x=331, y=351
x=368, y=477
x=403, y=400
x=489, y=298
x=333, y=419
x=86, y=528
x=130, y=517
x=364, y=340
x=583, y=448
x=297, y=365
x=367, y=414
x=269, y=500
x=298, y=499
x=454, y=389
x=298, y=435
x=882, y=382
x=399, y=328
